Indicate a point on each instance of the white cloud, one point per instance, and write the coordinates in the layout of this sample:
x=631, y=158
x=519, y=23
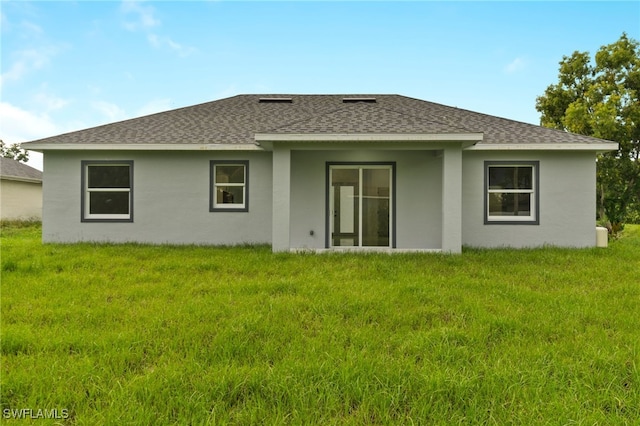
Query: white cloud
x=19, y=125
x=145, y=20
x=518, y=64
x=30, y=27
x=144, y=16
x=36, y=160
x=28, y=60
x=50, y=102
x=35, y=51
x=159, y=42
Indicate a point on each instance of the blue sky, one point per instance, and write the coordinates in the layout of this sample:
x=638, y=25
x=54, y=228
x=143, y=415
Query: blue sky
x=72, y=65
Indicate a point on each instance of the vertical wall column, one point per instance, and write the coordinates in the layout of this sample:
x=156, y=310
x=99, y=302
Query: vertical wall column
x=452, y=199
x=280, y=240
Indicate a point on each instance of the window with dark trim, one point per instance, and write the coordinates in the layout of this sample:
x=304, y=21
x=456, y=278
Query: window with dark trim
x=229, y=186
x=512, y=192
x=107, y=191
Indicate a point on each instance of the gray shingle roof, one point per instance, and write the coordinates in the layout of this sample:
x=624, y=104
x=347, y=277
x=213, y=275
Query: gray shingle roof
x=13, y=169
x=237, y=119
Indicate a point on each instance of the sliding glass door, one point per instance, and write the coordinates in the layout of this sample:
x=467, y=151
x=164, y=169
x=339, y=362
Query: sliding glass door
x=360, y=205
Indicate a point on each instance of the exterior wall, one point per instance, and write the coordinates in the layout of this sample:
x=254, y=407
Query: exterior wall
x=20, y=200
x=418, y=195
x=567, y=201
x=170, y=200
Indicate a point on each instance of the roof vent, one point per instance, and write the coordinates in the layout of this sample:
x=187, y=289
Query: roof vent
x=275, y=100
x=359, y=100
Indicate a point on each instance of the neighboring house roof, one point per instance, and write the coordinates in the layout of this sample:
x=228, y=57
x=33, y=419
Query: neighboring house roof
x=236, y=121
x=14, y=170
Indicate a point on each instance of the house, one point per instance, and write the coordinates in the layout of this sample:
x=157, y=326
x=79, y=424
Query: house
x=20, y=191
x=320, y=172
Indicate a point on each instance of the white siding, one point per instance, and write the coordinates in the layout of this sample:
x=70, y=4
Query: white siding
x=20, y=200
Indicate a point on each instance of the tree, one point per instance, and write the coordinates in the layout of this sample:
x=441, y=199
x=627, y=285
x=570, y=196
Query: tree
x=14, y=152
x=601, y=98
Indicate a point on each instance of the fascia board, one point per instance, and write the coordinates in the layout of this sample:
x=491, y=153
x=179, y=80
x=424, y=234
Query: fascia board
x=604, y=146
x=367, y=146
x=141, y=147
x=21, y=179
x=368, y=137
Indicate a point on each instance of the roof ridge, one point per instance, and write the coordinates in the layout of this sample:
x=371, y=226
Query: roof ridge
x=234, y=119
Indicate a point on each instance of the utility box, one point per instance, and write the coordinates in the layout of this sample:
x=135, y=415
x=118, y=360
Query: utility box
x=602, y=236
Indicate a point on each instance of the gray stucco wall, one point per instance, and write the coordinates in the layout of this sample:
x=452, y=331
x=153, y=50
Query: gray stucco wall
x=418, y=195
x=567, y=201
x=171, y=200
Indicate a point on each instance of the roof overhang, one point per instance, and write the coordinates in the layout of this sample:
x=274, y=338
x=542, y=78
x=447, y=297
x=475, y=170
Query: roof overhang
x=469, y=141
x=140, y=147
x=464, y=139
x=599, y=147
x=369, y=137
x=21, y=179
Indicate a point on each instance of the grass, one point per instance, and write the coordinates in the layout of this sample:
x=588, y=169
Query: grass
x=135, y=334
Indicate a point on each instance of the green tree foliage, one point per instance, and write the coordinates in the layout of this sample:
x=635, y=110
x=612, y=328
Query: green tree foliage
x=601, y=98
x=14, y=152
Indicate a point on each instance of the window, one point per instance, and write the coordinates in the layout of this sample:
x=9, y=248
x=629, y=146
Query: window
x=512, y=193
x=229, y=186
x=107, y=191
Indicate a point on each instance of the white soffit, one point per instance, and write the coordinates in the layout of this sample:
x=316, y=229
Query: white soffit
x=368, y=137
x=604, y=146
x=142, y=147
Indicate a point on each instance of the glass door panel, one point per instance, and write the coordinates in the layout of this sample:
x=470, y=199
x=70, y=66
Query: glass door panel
x=360, y=200
x=375, y=207
x=345, y=207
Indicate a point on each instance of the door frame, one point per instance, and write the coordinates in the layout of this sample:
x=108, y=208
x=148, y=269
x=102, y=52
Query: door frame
x=359, y=164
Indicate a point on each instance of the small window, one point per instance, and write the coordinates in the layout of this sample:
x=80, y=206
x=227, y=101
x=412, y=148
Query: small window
x=359, y=100
x=107, y=191
x=229, y=186
x=275, y=100
x=512, y=193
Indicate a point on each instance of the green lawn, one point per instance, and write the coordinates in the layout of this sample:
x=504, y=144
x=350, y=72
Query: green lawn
x=134, y=334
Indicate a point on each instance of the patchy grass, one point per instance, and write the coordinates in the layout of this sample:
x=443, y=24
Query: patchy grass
x=134, y=334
